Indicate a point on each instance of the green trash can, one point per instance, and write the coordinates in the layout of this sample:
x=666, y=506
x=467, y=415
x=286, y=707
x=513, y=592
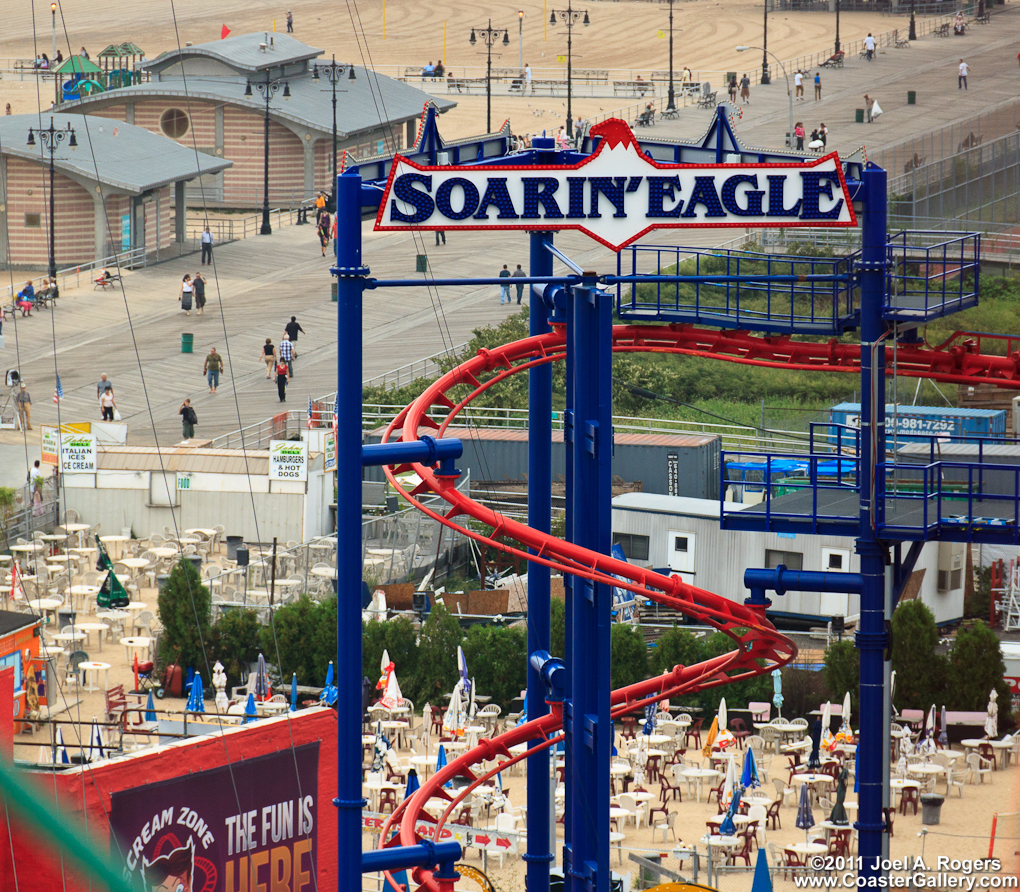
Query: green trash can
x=730, y=76
x=332, y=291
x=187, y=342
x=911, y=97
x=859, y=116
x=421, y=263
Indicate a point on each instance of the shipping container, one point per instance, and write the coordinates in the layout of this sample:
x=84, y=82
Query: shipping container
x=682, y=536
x=671, y=464
x=920, y=423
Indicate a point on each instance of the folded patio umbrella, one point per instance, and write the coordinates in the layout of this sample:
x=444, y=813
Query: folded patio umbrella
x=150, y=709
x=827, y=741
x=196, y=699
x=262, y=680
x=462, y=670
x=805, y=820
x=762, y=881
x=926, y=744
x=706, y=750
x=730, y=799
x=777, y=691
x=943, y=734
x=392, y=698
x=749, y=775
x=97, y=749
x=838, y=814
x=814, y=760
x=250, y=712
x=61, y=755
x=329, y=691
x=293, y=692
x=453, y=718
x=992, y=722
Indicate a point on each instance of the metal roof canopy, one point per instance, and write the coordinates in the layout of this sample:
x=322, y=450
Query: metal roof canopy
x=113, y=153
x=245, y=53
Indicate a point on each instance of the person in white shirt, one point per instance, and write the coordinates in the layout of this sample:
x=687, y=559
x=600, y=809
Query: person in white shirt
x=798, y=83
x=869, y=45
x=528, y=84
x=206, y=247
x=961, y=81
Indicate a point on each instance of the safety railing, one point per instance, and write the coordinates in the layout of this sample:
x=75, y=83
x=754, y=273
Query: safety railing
x=135, y=258
x=931, y=274
x=815, y=298
x=969, y=499
x=808, y=490
x=427, y=367
x=247, y=226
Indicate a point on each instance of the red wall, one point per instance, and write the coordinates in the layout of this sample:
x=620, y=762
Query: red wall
x=86, y=794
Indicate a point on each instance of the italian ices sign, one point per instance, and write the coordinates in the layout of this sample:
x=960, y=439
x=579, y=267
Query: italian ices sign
x=250, y=826
x=77, y=453
x=616, y=194
x=288, y=460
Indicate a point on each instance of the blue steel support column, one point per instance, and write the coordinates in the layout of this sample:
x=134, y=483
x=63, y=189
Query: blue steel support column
x=540, y=841
x=589, y=743
x=871, y=637
x=350, y=286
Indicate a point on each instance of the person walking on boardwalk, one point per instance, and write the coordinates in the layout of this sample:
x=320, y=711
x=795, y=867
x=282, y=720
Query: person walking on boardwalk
x=187, y=289
x=504, y=290
x=23, y=403
x=287, y=354
x=961, y=80
x=745, y=89
x=519, y=274
x=281, y=380
x=198, y=287
x=269, y=357
x=818, y=85
x=188, y=418
x=206, y=247
x=212, y=368
x=290, y=22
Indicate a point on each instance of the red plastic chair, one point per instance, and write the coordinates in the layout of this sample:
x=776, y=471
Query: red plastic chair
x=738, y=728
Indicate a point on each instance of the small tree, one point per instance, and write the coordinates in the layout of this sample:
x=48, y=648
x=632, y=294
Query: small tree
x=302, y=639
x=235, y=643
x=842, y=670
x=677, y=647
x=497, y=658
x=8, y=498
x=978, y=603
x=184, y=611
x=976, y=668
x=920, y=671
x=628, y=655
x=558, y=628
x=437, y=656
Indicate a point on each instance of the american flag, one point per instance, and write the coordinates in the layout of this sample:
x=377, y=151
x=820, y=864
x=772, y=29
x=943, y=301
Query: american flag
x=58, y=394
x=311, y=423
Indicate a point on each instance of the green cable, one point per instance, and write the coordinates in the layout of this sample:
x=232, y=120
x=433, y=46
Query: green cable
x=57, y=827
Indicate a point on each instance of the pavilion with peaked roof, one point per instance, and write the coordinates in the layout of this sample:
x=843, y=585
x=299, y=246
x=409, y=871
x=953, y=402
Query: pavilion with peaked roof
x=196, y=94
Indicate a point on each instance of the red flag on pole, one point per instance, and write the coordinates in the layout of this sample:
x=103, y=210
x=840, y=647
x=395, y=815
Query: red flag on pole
x=224, y=31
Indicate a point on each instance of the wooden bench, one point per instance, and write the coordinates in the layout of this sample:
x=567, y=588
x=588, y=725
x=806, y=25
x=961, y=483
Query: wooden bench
x=591, y=75
x=465, y=84
x=631, y=88
x=942, y=30
x=646, y=118
x=103, y=281
x=983, y=19
x=47, y=297
x=835, y=60
x=708, y=100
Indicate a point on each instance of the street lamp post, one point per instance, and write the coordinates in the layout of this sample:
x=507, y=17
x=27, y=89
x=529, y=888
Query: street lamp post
x=520, y=42
x=53, y=15
x=267, y=90
x=837, y=22
x=789, y=92
x=51, y=137
x=489, y=36
x=671, y=97
x=912, y=33
x=765, y=79
x=333, y=74
x=569, y=17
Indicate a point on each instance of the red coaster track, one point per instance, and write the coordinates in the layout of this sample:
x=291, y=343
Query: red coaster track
x=759, y=648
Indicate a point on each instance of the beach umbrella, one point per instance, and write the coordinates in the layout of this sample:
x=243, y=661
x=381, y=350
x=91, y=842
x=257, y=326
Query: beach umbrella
x=150, y=709
x=262, y=680
x=762, y=881
x=382, y=746
x=462, y=670
x=992, y=721
x=366, y=694
x=892, y=692
x=649, y=725
x=706, y=750
x=111, y=595
x=293, y=692
x=471, y=700
x=927, y=742
x=329, y=691
x=749, y=775
x=730, y=798
x=385, y=670
x=814, y=760
x=943, y=736
x=412, y=783
x=426, y=727
x=61, y=750
x=453, y=718
x=392, y=698
x=845, y=733
x=250, y=712
x=196, y=699
x=723, y=716
x=441, y=763
x=97, y=749
x=838, y=814
x=805, y=820
x=777, y=691
x=827, y=740
x=725, y=739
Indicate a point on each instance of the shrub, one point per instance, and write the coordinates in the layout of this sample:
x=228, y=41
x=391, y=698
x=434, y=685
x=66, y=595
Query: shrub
x=803, y=690
x=920, y=671
x=184, y=609
x=235, y=643
x=302, y=639
x=497, y=659
x=628, y=655
x=437, y=658
x=558, y=628
x=842, y=671
x=677, y=647
x=975, y=668
x=978, y=605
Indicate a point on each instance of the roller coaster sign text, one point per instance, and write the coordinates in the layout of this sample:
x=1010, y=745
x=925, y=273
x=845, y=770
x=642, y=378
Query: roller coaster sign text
x=616, y=194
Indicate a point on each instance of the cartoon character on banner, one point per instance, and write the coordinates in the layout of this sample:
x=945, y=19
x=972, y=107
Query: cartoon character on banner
x=178, y=870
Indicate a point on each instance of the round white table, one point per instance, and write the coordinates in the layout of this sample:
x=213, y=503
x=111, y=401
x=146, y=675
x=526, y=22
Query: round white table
x=699, y=774
x=69, y=637
x=136, y=606
x=135, y=563
x=806, y=849
x=45, y=605
x=89, y=627
x=93, y=668
x=423, y=765
x=324, y=572
x=374, y=788
x=28, y=547
x=201, y=531
x=739, y=820
x=162, y=551
x=926, y=770
x=763, y=801
x=6, y=558
x=61, y=559
x=85, y=591
x=76, y=527
x=118, y=542
x=134, y=645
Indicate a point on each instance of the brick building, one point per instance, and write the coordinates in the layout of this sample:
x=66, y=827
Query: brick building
x=121, y=187
x=196, y=95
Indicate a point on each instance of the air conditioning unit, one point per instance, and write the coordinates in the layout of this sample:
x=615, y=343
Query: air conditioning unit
x=952, y=561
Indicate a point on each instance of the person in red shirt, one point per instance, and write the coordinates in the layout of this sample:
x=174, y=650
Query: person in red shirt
x=282, y=376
